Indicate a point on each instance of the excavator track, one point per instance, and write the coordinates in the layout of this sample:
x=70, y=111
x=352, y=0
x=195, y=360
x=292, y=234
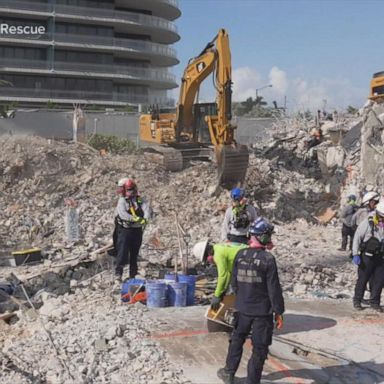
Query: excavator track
x=170, y=158
x=232, y=160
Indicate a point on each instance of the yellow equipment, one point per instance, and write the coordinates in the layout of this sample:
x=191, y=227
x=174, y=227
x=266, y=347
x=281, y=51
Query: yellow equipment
x=191, y=131
x=377, y=87
x=222, y=319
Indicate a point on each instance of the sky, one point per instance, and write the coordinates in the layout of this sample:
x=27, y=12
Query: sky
x=315, y=54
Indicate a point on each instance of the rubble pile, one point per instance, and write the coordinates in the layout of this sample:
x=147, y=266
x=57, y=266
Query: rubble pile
x=100, y=341
x=38, y=175
x=86, y=338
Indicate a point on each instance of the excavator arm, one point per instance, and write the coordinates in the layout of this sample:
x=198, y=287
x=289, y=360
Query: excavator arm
x=195, y=73
x=215, y=57
x=232, y=159
x=185, y=131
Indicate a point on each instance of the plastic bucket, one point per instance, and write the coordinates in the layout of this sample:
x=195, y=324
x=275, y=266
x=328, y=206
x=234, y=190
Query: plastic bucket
x=177, y=294
x=169, y=277
x=126, y=286
x=156, y=294
x=191, y=285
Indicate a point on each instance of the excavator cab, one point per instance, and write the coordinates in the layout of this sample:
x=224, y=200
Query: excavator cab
x=377, y=87
x=201, y=130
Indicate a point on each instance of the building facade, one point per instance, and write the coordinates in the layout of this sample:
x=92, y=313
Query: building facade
x=95, y=52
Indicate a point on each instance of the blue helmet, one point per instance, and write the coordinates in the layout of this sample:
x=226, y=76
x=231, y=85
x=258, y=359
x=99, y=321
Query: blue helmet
x=352, y=197
x=237, y=194
x=260, y=227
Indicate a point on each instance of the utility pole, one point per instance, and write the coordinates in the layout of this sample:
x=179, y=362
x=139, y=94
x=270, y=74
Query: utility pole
x=259, y=89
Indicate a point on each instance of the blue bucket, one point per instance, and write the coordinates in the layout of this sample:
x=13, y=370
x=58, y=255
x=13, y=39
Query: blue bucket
x=168, y=277
x=156, y=294
x=177, y=294
x=191, y=284
x=126, y=286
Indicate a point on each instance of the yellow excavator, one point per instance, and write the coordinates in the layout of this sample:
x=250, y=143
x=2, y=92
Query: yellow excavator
x=194, y=128
x=377, y=87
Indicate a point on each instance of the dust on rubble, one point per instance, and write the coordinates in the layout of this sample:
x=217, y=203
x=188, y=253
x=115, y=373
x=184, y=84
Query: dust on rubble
x=92, y=333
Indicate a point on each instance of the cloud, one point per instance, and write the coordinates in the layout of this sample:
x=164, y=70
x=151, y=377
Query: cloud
x=336, y=93
x=296, y=93
x=245, y=81
x=279, y=81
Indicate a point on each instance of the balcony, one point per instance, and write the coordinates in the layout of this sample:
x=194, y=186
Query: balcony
x=156, y=78
x=159, y=29
x=57, y=96
x=160, y=55
x=168, y=9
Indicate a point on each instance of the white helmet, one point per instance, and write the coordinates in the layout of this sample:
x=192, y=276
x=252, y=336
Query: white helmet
x=370, y=196
x=380, y=208
x=199, y=250
x=122, y=181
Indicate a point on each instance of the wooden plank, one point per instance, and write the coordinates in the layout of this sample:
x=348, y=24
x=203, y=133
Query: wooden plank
x=7, y=316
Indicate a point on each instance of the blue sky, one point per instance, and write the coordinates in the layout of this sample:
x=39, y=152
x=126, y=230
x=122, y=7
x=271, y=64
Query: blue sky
x=312, y=52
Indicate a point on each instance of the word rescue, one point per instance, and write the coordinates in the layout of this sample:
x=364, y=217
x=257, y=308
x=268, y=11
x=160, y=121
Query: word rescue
x=6, y=29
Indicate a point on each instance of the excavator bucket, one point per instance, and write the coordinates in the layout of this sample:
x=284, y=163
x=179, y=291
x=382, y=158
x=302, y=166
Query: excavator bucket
x=232, y=164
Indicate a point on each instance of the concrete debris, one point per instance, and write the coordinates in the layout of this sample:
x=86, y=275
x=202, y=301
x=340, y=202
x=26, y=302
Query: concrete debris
x=102, y=341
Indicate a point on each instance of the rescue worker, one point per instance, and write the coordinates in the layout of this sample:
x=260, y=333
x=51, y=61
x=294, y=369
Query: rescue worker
x=259, y=300
x=237, y=218
x=347, y=229
x=316, y=137
x=368, y=252
x=119, y=191
x=368, y=204
x=223, y=255
x=132, y=214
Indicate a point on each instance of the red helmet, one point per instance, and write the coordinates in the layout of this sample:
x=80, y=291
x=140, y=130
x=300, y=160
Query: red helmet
x=130, y=185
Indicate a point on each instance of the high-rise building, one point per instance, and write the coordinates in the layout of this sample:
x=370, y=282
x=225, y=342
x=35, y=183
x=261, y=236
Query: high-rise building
x=98, y=52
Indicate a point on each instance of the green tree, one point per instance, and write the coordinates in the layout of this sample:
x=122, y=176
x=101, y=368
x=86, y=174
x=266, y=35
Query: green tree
x=352, y=110
x=248, y=105
x=252, y=108
x=259, y=101
x=3, y=107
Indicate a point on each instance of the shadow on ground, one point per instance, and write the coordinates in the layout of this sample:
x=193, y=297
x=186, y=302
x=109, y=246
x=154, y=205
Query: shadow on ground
x=294, y=323
x=362, y=373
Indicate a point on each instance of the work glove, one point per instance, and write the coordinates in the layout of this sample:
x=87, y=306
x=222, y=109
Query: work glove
x=140, y=220
x=215, y=303
x=279, y=321
x=356, y=259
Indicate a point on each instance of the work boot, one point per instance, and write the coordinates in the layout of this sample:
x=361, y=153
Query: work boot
x=357, y=306
x=227, y=377
x=366, y=301
x=117, y=283
x=377, y=308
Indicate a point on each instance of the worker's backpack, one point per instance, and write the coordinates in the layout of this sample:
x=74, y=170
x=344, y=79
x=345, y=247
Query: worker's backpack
x=241, y=218
x=373, y=246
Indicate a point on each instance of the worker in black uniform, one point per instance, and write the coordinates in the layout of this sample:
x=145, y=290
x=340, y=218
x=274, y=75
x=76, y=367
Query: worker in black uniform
x=259, y=301
x=368, y=253
x=132, y=214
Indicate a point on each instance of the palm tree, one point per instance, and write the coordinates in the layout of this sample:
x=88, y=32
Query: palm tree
x=3, y=107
